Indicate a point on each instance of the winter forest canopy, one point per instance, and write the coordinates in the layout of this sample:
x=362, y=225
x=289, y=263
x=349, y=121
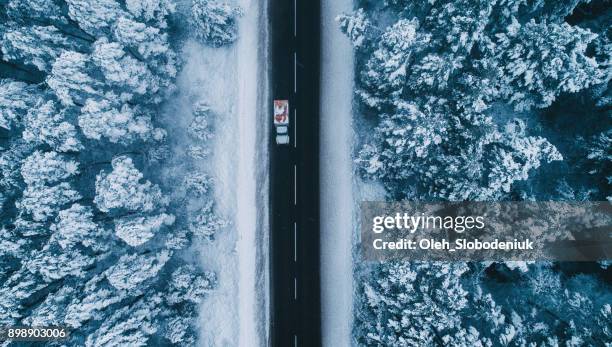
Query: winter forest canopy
x=487, y=101
x=92, y=236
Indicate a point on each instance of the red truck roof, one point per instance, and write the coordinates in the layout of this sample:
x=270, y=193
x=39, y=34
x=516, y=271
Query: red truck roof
x=281, y=112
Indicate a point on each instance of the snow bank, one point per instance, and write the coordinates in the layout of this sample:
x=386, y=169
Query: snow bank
x=337, y=201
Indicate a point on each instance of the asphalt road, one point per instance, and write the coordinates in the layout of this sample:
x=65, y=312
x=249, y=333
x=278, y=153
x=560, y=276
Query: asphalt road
x=294, y=170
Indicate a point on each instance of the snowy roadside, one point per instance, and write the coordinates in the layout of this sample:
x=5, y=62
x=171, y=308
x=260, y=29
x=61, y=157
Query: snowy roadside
x=252, y=181
x=231, y=81
x=337, y=197
x=206, y=67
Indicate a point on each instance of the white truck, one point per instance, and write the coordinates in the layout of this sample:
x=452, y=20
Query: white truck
x=281, y=121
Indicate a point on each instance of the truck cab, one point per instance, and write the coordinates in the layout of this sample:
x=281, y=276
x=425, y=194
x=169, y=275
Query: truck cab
x=281, y=121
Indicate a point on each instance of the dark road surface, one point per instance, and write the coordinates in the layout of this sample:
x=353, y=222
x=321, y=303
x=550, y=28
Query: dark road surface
x=294, y=170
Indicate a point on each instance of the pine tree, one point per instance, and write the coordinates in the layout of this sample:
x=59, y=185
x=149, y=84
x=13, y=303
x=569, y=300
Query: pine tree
x=356, y=26
x=16, y=98
x=214, y=22
x=153, y=12
x=47, y=168
x=70, y=81
x=102, y=118
x=137, y=230
x=132, y=271
x=126, y=75
x=205, y=223
x=543, y=60
x=95, y=17
x=35, y=45
x=75, y=226
x=41, y=203
x=122, y=189
x=45, y=124
x=199, y=128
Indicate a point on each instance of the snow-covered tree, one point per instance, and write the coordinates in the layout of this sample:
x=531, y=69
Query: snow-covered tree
x=122, y=189
x=70, y=80
x=385, y=73
x=20, y=287
x=128, y=326
x=148, y=42
x=53, y=266
x=97, y=296
x=126, y=75
x=197, y=184
x=413, y=144
x=10, y=166
x=199, y=128
x=154, y=11
x=137, y=230
x=356, y=27
x=214, y=22
x=179, y=331
x=407, y=137
x=188, y=286
x=47, y=168
x=35, y=45
x=16, y=98
x=487, y=169
x=94, y=17
x=75, y=225
x=198, y=152
x=43, y=202
x=34, y=10
x=131, y=271
x=205, y=222
x=542, y=60
x=515, y=155
x=599, y=158
x=102, y=118
x=44, y=124
x=52, y=311
x=176, y=240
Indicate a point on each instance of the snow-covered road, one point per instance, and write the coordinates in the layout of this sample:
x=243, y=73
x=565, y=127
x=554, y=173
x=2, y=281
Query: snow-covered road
x=233, y=81
x=337, y=204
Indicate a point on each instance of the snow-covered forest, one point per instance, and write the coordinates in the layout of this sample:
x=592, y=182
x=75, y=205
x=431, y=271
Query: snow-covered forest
x=97, y=207
x=483, y=101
